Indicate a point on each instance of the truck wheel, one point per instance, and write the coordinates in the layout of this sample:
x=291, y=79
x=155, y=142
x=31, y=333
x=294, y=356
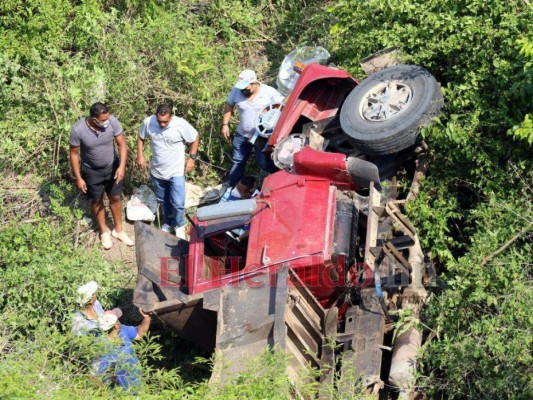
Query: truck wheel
x=384, y=114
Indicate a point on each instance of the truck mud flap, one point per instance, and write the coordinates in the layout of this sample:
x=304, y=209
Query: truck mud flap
x=250, y=319
x=362, y=344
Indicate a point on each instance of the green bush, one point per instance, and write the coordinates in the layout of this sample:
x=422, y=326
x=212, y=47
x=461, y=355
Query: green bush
x=475, y=198
x=40, y=271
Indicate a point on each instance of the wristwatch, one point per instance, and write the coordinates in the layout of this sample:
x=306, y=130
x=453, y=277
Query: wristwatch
x=193, y=157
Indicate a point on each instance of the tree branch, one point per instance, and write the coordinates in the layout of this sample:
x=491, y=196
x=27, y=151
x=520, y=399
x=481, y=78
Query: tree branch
x=507, y=244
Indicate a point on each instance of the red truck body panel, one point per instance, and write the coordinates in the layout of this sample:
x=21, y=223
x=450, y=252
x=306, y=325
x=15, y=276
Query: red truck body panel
x=293, y=223
x=318, y=94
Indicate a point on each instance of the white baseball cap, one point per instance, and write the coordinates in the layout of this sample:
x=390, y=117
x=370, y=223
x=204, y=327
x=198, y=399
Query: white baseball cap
x=107, y=321
x=117, y=312
x=85, y=292
x=245, y=78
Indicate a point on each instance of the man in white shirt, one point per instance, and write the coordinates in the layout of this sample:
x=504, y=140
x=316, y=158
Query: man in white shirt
x=251, y=97
x=168, y=134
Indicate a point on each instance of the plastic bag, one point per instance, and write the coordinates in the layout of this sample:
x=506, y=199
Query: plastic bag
x=142, y=206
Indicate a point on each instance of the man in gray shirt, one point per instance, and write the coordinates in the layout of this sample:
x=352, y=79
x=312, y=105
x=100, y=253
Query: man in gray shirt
x=168, y=135
x=250, y=97
x=100, y=170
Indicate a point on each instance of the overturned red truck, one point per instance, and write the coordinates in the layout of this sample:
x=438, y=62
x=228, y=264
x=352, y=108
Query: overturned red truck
x=323, y=254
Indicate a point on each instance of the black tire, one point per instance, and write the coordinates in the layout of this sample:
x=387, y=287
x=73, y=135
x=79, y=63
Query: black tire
x=399, y=131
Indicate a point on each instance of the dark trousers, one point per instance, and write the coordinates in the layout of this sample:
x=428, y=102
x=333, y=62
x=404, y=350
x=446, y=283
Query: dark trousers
x=242, y=149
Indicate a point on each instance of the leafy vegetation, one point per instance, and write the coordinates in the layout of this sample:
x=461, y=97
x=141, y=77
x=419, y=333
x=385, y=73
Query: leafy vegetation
x=478, y=196
x=524, y=130
x=474, y=213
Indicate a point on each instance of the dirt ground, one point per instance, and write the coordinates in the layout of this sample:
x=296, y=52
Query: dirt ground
x=90, y=237
x=120, y=251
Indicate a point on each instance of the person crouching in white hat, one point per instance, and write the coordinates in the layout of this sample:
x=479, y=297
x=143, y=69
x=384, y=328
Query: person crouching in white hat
x=85, y=320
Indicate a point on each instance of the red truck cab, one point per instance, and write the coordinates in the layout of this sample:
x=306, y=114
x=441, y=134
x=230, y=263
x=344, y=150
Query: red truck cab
x=291, y=222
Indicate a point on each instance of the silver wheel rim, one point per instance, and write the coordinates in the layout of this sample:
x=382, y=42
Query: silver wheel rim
x=385, y=101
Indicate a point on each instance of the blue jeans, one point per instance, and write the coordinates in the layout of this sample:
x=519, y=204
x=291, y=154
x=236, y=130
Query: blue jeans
x=242, y=149
x=171, y=194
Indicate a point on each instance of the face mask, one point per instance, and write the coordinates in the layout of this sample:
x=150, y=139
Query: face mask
x=235, y=193
x=246, y=92
x=102, y=125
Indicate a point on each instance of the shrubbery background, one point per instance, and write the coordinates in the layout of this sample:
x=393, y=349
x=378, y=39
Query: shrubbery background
x=58, y=56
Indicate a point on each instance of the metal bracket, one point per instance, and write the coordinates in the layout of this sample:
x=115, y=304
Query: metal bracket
x=399, y=219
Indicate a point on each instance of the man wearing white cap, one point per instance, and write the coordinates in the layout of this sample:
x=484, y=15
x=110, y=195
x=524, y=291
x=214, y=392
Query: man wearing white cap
x=85, y=320
x=251, y=97
x=121, y=365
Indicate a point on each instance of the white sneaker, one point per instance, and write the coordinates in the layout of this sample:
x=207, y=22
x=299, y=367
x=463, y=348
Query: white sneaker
x=105, y=238
x=166, y=228
x=123, y=237
x=180, y=232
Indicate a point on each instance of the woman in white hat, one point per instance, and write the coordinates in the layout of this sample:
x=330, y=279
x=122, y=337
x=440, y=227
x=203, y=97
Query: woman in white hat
x=86, y=318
